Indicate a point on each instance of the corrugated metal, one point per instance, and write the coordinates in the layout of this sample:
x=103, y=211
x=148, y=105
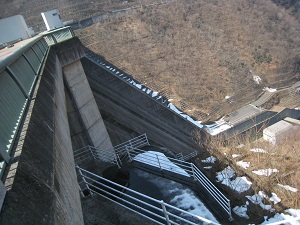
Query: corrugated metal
x=12, y=102
x=24, y=73
x=34, y=60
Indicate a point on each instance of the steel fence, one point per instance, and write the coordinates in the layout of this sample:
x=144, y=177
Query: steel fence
x=155, y=210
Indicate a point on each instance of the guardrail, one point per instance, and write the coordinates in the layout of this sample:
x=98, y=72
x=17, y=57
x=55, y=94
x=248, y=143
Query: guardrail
x=155, y=210
x=184, y=169
x=19, y=72
x=87, y=153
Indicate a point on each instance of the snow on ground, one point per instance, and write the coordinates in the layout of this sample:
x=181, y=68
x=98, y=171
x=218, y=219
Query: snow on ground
x=159, y=160
x=207, y=167
x=265, y=172
x=239, y=184
x=235, y=155
x=270, y=89
x=275, y=198
x=257, y=79
x=243, y=164
x=210, y=159
x=218, y=127
x=241, y=211
x=257, y=199
x=292, y=214
x=180, y=196
x=258, y=150
x=289, y=188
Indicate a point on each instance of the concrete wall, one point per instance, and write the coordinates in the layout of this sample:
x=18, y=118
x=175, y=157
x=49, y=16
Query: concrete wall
x=45, y=190
x=137, y=111
x=83, y=97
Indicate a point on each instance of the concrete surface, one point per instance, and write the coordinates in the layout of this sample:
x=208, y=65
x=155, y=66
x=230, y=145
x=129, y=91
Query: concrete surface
x=45, y=189
x=83, y=97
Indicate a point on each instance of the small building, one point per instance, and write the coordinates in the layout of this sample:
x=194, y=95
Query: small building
x=14, y=29
x=280, y=130
x=52, y=19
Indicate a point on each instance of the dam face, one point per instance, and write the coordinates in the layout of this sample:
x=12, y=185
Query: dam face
x=76, y=103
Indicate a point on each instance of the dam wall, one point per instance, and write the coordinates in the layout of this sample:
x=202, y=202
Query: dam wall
x=45, y=184
x=137, y=111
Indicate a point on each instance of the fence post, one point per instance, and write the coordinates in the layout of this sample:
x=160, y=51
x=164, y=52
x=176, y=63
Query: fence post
x=165, y=212
x=193, y=171
x=229, y=211
x=84, y=181
x=92, y=152
x=128, y=153
x=158, y=162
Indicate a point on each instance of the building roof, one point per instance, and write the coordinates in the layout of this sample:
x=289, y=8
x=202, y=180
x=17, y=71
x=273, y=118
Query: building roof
x=278, y=127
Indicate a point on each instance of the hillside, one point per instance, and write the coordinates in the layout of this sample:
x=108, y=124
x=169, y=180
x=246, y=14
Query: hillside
x=198, y=52
x=194, y=52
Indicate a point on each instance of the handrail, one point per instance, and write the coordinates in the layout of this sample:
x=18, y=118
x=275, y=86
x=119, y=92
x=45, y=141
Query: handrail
x=111, y=188
x=189, y=168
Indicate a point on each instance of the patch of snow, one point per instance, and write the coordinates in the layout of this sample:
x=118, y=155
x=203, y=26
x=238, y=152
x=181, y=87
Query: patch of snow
x=235, y=155
x=243, y=164
x=257, y=79
x=176, y=110
x=210, y=159
x=139, y=86
x=265, y=172
x=258, y=150
x=293, y=212
x=257, y=199
x=154, y=94
x=189, y=202
x=292, y=219
x=289, y=188
x=159, y=160
x=241, y=211
x=275, y=198
x=179, y=196
x=239, y=184
x=218, y=127
x=270, y=89
x=227, y=173
x=207, y=167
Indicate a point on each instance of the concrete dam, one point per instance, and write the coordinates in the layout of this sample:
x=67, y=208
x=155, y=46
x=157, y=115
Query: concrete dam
x=73, y=100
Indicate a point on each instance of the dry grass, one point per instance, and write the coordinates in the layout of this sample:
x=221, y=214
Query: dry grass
x=197, y=52
x=284, y=157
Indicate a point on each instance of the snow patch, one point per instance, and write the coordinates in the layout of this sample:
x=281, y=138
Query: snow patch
x=289, y=188
x=159, y=160
x=239, y=184
x=210, y=159
x=241, y=211
x=265, y=172
x=235, y=155
x=243, y=164
x=275, y=198
x=257, y=199
x=258, y=150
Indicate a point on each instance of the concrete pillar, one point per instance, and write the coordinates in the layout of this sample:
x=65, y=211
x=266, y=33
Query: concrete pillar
x=83, y=98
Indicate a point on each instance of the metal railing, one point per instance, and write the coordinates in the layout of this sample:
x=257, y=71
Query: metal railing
x=19, y=73
x=182, y=168
x=87, y=153
x=155, y=210
x=137, y=142
x=58, y=35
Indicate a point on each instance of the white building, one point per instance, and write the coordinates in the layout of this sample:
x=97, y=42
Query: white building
x=13, y=29
x=52, y=19
x=280, y=130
